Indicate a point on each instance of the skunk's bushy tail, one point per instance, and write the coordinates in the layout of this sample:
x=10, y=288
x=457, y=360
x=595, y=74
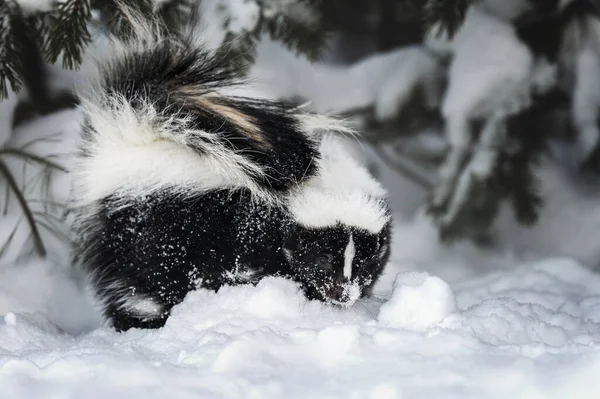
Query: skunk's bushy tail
x=161, y=87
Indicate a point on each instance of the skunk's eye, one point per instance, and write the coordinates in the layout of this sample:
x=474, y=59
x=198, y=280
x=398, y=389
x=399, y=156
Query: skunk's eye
x=324, y=261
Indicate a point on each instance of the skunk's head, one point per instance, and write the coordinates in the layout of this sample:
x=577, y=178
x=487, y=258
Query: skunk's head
x=339, y=244
x=337, y=264
x=340, y=241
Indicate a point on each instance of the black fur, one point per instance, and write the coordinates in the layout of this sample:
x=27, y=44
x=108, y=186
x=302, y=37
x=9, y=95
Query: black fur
x=163, y=246
x=316, y=258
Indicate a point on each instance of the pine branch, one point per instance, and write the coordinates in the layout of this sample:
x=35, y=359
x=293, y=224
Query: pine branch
x=10, y=59
x=68, y=33
x=298, y=24
x=447, y=14
x=472, y=200
x=13, y=185
x=34, y=211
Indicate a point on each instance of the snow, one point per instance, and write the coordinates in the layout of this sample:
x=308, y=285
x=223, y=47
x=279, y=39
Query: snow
x=519, y=320
x=32, y=6
x=245, y=17
x=528, y=331
x=449, y=322
x=489, y=75
x=419, y=301
x=384, y=81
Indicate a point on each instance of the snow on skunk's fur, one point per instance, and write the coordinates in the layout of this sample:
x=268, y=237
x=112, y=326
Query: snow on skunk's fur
x=179, y=186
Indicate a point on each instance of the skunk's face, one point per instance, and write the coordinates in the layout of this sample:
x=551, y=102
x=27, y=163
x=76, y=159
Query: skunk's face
x=337, y=264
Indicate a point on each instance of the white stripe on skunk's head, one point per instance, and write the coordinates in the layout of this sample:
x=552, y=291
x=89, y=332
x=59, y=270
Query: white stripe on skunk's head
x=339, y=244
x=317, y=208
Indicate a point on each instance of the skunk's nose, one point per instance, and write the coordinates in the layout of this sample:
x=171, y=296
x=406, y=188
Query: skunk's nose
x=337, y=293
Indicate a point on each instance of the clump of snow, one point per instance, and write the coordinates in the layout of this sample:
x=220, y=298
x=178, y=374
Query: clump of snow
x=385, y=81
x=385, y=391
x=419, y=301
x=243, y=15
x=30, y=6
x=489, y=74
x=10, y=319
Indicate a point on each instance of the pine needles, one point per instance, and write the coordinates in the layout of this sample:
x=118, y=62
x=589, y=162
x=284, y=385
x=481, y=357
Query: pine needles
x=10, y=65
x=63, y=31
x=67, y=33
x=40, y=215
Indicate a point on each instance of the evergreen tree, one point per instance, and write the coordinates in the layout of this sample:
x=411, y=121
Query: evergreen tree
x=61, y=28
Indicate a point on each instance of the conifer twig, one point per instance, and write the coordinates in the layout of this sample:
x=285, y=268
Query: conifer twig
x=12, y=184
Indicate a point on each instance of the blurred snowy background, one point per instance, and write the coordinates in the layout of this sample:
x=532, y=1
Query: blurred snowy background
x=488, y=144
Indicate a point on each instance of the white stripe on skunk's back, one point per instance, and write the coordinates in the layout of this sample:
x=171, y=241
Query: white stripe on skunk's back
x=126, y=156
x=343, y=192
x=318, y=208
x=141, y=170
x=340, y=171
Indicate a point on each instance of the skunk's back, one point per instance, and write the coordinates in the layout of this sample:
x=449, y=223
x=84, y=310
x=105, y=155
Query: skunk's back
x=159, y=115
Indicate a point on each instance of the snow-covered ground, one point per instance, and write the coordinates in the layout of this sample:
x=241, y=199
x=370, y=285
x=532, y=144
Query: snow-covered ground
x=531, y=332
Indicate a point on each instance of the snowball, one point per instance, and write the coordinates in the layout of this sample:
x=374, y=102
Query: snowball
x=418, y=302
x=244, y=16
x=10, y=319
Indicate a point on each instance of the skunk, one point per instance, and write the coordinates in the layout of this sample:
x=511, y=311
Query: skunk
x=180, y=186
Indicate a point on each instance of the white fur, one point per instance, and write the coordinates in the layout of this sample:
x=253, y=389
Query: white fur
x=340, y=171
x=343, y=192
x=137, y=152
x=320, y=208
x=130, y=154
x=313, y=123
x=349, y=254
x=141, y=306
